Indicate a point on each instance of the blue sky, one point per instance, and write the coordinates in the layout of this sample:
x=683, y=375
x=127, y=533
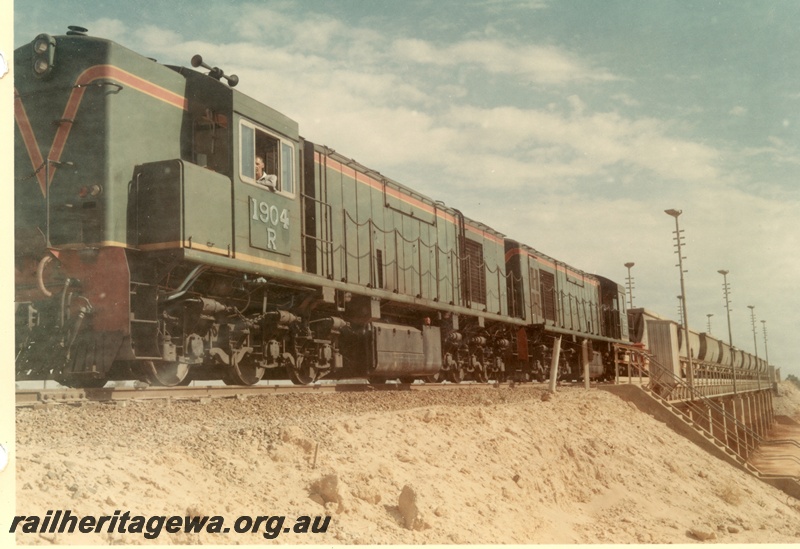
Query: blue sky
x=568, y=125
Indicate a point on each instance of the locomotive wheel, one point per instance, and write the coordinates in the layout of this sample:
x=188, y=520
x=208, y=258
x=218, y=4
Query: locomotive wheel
x=247, y=372
x=299, y=373
x=166, y=373
x=458, y=371
x=480, y=375
x=438, y=377
x=456, y=375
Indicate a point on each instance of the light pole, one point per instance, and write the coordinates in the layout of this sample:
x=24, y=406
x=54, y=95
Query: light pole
x=726, y=289
x=753, y=322
x=755, y=343
x=630, y=283
x=708, y=316
x=766, y=350
x=678, y=238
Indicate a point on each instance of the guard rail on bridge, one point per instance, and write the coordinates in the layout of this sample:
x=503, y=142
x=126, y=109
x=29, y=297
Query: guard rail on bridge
x=732, y=406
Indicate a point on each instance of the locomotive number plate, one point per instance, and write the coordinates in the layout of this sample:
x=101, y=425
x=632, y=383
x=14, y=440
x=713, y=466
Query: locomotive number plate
x=269, y=226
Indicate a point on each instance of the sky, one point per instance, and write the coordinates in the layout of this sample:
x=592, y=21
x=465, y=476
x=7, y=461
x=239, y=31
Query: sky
x=568, y=125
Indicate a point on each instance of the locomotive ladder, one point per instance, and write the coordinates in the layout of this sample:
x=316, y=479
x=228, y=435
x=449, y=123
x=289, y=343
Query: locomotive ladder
x=318, y=254
x=144, y=320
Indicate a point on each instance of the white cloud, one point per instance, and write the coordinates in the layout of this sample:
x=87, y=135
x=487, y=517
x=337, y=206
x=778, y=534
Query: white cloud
x=578, y=106
x=511, y=5
x=541, y=64
x=109, y=27
x=585, y=142
x=626, y=99
x=157, y=37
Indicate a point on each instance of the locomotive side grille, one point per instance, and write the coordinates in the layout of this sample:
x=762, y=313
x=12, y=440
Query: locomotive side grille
x=476, y=270
x=548, y=281
x=536, y=294
x=379, y=268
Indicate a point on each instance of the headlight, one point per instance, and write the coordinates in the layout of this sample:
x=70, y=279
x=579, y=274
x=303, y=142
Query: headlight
x=44, y=49
x=40, y=45
x=41, y=66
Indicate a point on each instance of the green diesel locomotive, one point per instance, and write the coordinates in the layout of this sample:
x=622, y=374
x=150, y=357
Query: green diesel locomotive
x=170, y=228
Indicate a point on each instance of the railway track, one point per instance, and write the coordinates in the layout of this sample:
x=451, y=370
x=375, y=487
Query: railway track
x=52, y=397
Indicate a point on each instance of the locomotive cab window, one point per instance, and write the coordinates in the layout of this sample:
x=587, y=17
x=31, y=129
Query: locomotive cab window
x=210, y=141
x=266, y=160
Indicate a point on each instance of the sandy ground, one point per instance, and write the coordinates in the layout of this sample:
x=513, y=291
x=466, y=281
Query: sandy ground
x=468, y=466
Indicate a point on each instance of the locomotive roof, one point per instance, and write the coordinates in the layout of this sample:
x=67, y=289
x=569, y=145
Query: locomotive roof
x=205, y=86
x=354, y=164
x=533, y=251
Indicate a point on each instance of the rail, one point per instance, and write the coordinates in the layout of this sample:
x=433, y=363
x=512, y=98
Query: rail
x=64, y=395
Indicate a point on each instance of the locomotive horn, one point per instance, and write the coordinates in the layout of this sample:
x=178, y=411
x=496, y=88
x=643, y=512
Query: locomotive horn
x=214, y=72
x=197, y=61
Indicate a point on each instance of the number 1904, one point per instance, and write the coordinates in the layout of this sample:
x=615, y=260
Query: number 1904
x=269, y=214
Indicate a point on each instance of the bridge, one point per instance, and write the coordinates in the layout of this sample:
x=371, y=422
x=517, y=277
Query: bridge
x=727, y=410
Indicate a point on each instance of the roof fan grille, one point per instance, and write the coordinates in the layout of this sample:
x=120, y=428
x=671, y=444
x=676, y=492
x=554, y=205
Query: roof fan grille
x=75, y=30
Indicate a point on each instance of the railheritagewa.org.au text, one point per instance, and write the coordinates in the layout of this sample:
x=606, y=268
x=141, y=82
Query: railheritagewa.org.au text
x=151, y=527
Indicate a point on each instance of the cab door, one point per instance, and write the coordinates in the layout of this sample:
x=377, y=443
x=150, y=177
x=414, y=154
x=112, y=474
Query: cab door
x=268, y=221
